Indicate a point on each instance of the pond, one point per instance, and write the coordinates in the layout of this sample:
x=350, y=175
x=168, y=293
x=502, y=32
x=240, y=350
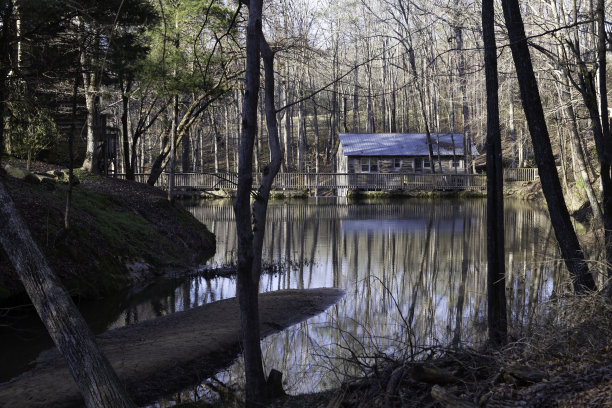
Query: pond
x=413, y=270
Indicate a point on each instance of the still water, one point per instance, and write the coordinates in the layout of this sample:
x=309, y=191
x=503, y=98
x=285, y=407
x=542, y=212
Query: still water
x=414, y=274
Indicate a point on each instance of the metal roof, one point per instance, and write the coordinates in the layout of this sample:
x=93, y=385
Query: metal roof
x=401, y=144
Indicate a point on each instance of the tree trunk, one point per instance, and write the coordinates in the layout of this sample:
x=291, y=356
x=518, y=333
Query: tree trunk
x=606, y=132
x=422, y=106
x=173, y=143
x=383, y=108
x=185, y=152
x=75, y=90
x=248, y=283
x=355, y=128
x=93, y=374
x=127, y=158
x=227, y=139
x=512, y=129
x=217, y=138
x=496, y=276
x=534, y=113
x=90, y=163
x=578, y=152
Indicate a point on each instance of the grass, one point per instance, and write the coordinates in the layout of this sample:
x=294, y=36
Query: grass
x=108, y=233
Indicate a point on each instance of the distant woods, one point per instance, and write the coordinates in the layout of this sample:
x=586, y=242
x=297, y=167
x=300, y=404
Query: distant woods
x=158, y=75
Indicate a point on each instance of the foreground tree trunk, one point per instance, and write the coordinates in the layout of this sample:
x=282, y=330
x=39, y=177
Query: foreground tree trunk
x=496, y=279
x=248, y=281
x=251, y=231
x=534, y=113
x=92, y=372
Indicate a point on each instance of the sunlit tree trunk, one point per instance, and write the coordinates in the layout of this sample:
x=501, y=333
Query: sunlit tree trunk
x=90, y=78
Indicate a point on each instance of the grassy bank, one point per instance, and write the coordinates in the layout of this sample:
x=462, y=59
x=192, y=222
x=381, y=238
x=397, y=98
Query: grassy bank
x=121, y=233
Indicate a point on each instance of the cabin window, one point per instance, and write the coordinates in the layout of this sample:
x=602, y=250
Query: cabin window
x=426, y=163
x=397, y=164
x=369, y=166
x=455, y=162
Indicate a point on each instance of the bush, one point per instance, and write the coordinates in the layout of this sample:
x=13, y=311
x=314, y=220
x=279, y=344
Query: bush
x=30, y=130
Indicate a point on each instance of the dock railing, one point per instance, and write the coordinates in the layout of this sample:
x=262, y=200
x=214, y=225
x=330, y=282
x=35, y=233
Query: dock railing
x=365, y=181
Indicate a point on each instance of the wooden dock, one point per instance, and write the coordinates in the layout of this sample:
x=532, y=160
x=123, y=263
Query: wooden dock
x=343, y=181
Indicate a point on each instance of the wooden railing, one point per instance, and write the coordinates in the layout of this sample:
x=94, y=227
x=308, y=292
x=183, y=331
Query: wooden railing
x=349, y=181
x=522, y=174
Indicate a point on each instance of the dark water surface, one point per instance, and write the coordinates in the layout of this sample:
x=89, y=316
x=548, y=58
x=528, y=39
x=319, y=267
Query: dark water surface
x=414, y=274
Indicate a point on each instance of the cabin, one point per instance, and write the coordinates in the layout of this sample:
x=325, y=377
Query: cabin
x=401, y=153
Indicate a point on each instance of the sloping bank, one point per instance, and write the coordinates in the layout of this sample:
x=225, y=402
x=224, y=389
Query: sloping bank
x=121, y=234
x=158, y=357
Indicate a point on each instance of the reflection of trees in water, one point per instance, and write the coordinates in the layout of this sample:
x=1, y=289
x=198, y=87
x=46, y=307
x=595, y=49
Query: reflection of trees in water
x=414, y=272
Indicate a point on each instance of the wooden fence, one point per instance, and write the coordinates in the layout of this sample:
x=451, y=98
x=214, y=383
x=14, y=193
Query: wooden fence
x=522, y=174
x=342, y=181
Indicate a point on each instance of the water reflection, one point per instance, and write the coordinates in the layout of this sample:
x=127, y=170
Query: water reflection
x=414, y=274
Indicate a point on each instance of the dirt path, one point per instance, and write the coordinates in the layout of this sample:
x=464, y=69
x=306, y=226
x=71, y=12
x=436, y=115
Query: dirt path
x=164, y=355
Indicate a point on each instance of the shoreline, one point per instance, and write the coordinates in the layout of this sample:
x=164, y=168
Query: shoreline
x=158, y=357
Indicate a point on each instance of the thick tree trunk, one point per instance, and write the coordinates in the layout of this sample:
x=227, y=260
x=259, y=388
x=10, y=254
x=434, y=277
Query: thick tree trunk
x=496, y=276
x=534, y=113
x=93, y=374
x=248, y=281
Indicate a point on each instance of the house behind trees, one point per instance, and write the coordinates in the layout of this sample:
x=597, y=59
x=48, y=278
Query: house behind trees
x=401, y=153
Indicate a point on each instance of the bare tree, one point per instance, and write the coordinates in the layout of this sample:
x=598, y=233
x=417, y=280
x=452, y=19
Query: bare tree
x=532, y=106
x=250, y=224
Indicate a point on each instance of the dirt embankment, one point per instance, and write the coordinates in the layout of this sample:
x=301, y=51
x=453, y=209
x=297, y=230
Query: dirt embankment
x=121, y=233
x=161, y=356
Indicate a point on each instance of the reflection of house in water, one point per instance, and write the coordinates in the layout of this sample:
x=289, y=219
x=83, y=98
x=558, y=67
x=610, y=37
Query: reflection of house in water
x=415, y=225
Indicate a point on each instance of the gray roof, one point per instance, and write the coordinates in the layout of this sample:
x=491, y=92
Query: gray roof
x=401, y=144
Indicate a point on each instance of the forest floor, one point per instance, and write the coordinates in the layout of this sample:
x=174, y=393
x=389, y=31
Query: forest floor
x=122, y=233
x=158, y=357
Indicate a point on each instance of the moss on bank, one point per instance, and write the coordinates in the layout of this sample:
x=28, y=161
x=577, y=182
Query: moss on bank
x=121, y=233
